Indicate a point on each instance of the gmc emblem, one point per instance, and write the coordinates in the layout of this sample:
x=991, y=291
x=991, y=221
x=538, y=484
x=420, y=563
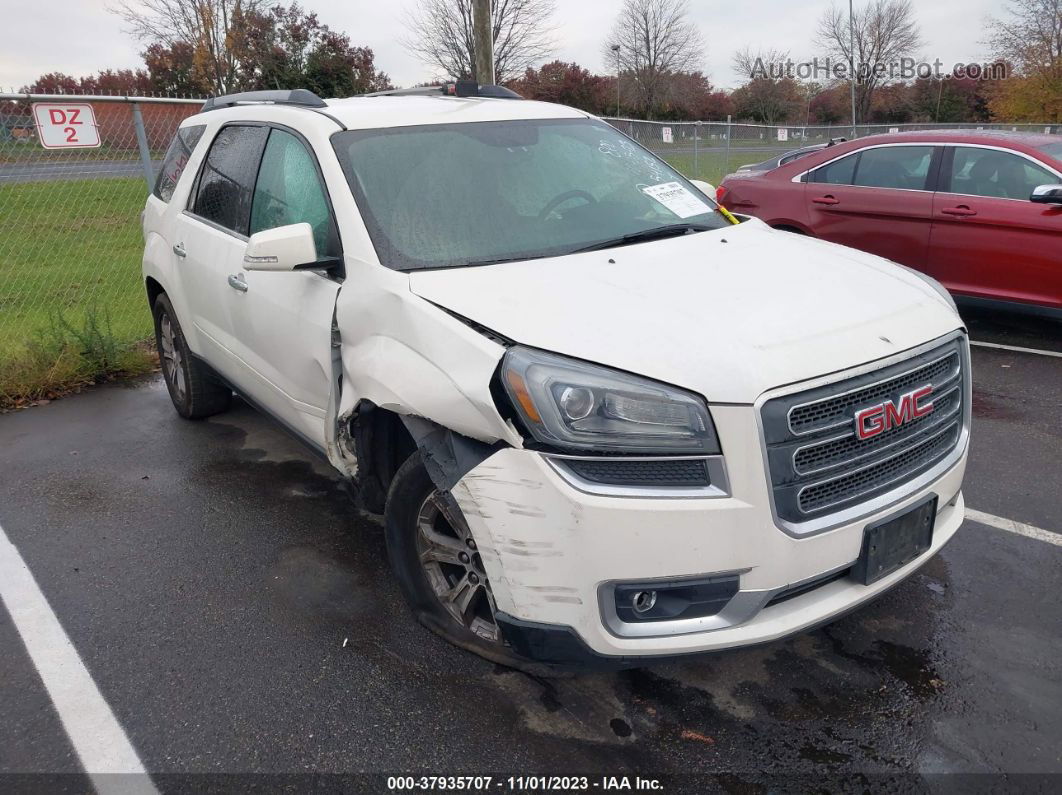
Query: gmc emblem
x=874, y=420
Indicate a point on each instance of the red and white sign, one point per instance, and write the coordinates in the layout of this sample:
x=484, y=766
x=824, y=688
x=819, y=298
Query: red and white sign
x=668, y=137
x=66, y=125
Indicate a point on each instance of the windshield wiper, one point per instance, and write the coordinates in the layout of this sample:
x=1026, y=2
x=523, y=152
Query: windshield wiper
x=657, y=233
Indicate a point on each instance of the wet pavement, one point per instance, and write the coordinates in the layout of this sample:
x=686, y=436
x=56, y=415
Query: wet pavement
x=209, y=575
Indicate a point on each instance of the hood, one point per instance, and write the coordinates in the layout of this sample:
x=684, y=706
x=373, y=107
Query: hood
x=729, y=313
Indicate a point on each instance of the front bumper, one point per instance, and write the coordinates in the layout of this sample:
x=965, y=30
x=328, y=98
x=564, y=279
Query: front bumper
x=551, y=553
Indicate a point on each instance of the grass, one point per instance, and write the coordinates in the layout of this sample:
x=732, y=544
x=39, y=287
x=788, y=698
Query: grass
x=72, y=309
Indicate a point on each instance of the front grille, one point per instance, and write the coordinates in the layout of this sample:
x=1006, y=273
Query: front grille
x=817, y=463
x=617, y=472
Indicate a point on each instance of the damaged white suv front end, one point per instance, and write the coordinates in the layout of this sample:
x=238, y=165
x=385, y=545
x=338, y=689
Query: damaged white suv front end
x=605, y=423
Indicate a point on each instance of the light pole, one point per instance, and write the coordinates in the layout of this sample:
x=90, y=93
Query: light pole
x=616, y=49
x=851, y=61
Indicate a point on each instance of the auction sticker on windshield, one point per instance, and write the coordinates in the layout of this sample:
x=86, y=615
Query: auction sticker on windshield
x=677, y=198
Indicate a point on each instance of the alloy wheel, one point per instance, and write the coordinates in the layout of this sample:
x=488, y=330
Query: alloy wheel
x=453, y=566
x=172, y=360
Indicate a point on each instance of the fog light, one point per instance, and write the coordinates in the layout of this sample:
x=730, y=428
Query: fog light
x=643, y=601
x=669, y=600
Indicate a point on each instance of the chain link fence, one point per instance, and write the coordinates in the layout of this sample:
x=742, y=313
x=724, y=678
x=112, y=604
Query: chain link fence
x=74, y=174
x=711, y=150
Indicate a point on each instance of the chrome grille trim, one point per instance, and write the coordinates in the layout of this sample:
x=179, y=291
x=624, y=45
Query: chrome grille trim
x=936, y=422
x=919, y=444
x=867, y=387
x=897, y=481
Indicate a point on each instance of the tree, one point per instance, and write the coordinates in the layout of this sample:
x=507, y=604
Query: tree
x=440, y=34
x=288, y=48
x=1030, y=40
x=656, y=42
x=206, y=25
x=885, y=32
x=121, y=82
x=171, y=69
x=693, y=97
x=769, y=101
x=766, y=97
x=567, y=84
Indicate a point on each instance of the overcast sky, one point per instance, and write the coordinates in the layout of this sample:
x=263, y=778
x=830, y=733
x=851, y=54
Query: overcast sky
x=80, y=37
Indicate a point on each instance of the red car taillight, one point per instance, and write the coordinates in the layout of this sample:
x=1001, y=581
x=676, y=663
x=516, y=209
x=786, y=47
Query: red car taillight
x=720, y=192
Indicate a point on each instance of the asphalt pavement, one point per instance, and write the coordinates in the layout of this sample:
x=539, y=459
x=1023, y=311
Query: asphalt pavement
x=238, y=616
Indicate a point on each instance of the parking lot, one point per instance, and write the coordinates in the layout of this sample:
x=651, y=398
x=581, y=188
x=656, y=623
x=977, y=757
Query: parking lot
x=237, y=615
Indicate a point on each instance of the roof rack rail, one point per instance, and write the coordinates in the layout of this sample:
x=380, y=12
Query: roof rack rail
x=459, y=88
x=299, y=96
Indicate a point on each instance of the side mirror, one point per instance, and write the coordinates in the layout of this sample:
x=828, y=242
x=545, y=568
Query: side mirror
x=284, y=248
x=707, y=188
x=1047, y=194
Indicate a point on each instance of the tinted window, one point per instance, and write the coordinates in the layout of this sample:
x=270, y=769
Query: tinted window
x=1002, y=175
x=1053, y=150
x=289, y=191
x=227, y=178
x=839, y=172
x=176, y=159
x=904, y=167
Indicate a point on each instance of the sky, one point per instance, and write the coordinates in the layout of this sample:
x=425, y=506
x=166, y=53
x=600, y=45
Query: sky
x=81, y=37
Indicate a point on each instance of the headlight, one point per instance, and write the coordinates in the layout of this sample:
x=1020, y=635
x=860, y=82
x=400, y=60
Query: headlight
x=579, y=406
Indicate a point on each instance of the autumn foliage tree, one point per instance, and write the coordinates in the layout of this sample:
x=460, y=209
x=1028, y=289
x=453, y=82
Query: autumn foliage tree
x=1029, y=38
x=289, y=48
x=567, y=84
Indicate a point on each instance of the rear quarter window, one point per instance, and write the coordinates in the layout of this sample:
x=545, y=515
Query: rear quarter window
x=177, y=155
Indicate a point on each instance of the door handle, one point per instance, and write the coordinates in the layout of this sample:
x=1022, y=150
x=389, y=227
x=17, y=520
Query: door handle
x=827, y=199
x=178, y=249
x=962, y=211
x=237, y=283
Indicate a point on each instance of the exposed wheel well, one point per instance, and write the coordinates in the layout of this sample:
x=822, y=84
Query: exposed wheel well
x=154, y=290
x=382, y=444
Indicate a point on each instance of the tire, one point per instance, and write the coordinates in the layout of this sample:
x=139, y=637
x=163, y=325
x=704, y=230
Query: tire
x=195, y=392
x=422, y=521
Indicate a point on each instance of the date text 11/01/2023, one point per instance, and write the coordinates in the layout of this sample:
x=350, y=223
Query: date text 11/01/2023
x=523, y=783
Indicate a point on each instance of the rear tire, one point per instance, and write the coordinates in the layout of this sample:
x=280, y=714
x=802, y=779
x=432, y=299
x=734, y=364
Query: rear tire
x=438, y=567
x=195, y=392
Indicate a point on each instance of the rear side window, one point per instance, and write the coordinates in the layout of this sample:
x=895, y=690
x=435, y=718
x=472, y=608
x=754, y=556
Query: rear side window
x=289, y=191
x=902, y=167
x=226, y=181
x=995, y=174
x=176, y=159
x=839, y=172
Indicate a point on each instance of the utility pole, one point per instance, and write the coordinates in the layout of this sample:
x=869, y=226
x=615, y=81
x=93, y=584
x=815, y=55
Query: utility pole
x=616, y=49
x=851, y=62
x=484, y=42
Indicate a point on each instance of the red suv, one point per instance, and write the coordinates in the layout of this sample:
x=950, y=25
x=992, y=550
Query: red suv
x=979, y=211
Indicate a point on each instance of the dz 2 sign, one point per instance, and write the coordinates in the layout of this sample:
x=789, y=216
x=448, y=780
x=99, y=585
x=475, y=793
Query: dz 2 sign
x=67, y=125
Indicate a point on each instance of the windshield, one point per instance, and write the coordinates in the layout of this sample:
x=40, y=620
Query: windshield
x=449, y=195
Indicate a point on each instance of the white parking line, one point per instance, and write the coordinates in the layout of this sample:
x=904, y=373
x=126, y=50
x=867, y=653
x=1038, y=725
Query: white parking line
x=1011, y=526
x=1015, y=348
x=99, y=741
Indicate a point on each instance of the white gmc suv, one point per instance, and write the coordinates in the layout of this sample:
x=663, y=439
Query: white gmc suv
x=606, y=420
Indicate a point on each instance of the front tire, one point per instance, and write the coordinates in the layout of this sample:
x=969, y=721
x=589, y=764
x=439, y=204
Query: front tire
x=195, y=392
x=438, y=566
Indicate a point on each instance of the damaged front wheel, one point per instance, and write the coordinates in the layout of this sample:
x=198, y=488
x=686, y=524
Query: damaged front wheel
x=439, y=566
